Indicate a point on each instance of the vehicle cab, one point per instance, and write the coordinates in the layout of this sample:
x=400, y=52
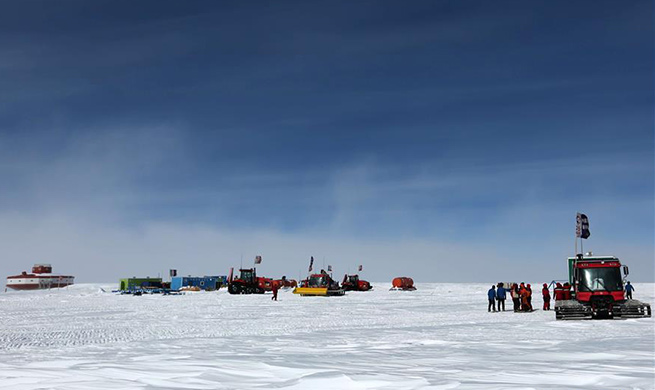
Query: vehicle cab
x=597, y=278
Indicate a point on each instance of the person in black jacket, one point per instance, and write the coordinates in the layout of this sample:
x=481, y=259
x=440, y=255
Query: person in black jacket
x=516, y=297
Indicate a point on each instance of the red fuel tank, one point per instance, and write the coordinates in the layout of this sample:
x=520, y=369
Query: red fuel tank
x=403, y=283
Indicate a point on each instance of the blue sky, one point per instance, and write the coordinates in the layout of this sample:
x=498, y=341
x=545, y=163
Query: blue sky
x=136, y=137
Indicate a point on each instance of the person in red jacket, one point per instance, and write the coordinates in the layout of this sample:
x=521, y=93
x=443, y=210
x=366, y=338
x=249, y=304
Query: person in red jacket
x=558, y=294
x=567, y=291
x=545, y=293
x=275, y=287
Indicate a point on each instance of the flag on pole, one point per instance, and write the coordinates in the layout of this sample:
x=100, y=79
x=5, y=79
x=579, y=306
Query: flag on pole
x=329, y=268
x=172, y=273
x=360, y=268
x=582, y=226
x=311, y=264
x=258, y=259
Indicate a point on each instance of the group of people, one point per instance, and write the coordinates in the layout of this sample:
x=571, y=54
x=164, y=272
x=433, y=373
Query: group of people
x=522, y=295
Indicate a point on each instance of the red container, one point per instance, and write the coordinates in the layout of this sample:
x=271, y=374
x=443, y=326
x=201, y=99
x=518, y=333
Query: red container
x=403, y=283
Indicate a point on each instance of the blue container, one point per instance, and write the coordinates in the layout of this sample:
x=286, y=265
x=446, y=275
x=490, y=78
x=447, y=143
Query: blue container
x=208, y=283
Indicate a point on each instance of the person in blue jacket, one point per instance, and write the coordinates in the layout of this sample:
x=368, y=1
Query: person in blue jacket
x=628, y=290
x=492, y=298
x=501, y=295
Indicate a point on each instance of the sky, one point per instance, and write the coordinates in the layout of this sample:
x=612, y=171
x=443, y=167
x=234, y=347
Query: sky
x=447, y=141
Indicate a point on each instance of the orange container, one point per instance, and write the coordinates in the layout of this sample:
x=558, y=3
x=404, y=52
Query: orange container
x=403, y=283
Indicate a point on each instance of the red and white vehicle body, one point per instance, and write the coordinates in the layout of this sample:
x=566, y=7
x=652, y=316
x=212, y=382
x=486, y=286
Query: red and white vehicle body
x=40, y=278
x=598, y=291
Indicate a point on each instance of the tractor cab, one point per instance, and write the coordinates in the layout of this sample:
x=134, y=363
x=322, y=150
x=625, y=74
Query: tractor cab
x=248, y=275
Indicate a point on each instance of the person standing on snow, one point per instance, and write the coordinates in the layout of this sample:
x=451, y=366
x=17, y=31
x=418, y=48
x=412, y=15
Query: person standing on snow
x=491, y=294
x=275, y=288
x=525, y=298
x=566, y=291
x=516, y=297
x=558, y=293
x=546, y=295
x=529, y=288
x=628, y=290
x=501, y=296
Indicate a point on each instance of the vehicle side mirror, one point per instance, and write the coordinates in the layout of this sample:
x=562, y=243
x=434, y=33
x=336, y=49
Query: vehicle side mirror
x=625, y=270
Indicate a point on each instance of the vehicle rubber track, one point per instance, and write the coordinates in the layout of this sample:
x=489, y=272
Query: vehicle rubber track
x=572, y=310
x=633, y=308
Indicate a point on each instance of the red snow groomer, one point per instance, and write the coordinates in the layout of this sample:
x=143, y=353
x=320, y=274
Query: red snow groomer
x=246, y=283
x=319, y=285
x=403, y=284
x=353, y=283
x=598, y=291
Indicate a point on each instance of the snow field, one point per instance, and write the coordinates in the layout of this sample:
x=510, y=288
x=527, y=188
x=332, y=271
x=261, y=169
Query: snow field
x=438, y=337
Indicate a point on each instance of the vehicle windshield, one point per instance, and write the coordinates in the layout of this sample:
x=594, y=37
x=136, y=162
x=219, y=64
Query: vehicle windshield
x=600, y=279
x=318, y=281
x=247, y=276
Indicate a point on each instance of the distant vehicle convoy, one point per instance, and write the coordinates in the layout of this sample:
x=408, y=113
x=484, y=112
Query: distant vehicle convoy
x=247, y=282
x=598, y=291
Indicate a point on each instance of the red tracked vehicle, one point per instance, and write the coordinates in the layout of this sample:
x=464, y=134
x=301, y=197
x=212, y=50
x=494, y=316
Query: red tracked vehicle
x=246, y=283
x=353, y=283
x=598, y=291
x=319, y=285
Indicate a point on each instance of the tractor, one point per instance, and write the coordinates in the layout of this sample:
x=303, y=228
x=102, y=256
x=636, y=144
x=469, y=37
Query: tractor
x=246, y=283
x=598, y=291
x=353, y=283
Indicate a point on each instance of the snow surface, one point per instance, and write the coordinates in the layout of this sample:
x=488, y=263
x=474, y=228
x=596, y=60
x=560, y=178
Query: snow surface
x=438, y=337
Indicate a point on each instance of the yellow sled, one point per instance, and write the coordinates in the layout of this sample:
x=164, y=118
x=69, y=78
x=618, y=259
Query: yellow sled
x=310, y=291
x=317, y=292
